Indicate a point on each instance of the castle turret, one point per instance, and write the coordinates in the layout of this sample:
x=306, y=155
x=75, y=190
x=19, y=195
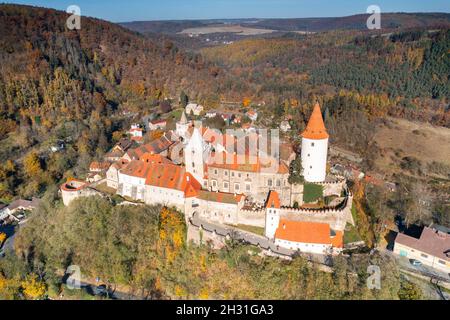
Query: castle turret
x=193, y=155
x=315, y=148
x=272, y=214
x=182, y=126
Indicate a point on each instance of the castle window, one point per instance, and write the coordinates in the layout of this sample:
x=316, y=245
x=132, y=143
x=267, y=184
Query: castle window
x=232, y=174
x=312, y=144
x=225, y=185
x=310, y=167
x=239, y=175
x=247, y=187
x=309, y=155
x=226, y=173
x=214, y=183
x=215, y=171
x=278, y=183
x=269, y=182
x=237, y=186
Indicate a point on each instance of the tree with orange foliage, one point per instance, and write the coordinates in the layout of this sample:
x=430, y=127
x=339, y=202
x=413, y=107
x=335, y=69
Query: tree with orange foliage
x=246, y=102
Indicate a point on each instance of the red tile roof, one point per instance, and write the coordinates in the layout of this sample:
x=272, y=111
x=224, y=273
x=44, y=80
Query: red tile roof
x=99, y=166
x=273, y=201
x=155, y=147
x=163, y=175
x=308, y=232
x=315, y=129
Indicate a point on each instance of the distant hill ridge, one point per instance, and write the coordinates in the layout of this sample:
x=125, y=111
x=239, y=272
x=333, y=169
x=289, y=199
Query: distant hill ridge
x=353, y=22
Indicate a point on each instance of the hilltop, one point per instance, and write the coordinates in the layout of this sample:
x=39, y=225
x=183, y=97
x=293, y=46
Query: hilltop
x=353, y=22
x=75, y=86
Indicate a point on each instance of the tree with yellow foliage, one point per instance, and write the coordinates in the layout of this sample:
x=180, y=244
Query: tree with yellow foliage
x=2, y=238
x=9, y=288
x=32, y=164
x=33, y=288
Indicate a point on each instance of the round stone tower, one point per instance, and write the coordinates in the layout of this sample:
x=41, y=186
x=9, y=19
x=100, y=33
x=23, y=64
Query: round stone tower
x=315, y=148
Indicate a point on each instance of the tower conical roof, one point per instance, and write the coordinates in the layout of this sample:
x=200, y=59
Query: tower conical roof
x=315, y=129
x=183, y=119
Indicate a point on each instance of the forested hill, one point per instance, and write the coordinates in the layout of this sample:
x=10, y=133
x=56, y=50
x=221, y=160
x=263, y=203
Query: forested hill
x=49, y=74
x=77, y=86
x=354, y=22
x=405, y=73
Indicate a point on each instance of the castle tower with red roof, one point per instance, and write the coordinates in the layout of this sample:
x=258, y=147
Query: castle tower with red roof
x=272, y=214
x=315, y=148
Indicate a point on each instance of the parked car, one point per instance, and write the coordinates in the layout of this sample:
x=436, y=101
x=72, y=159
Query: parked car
x=415, y=263
x=101, y=290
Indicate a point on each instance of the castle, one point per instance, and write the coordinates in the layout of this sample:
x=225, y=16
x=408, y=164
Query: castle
x=234, y=187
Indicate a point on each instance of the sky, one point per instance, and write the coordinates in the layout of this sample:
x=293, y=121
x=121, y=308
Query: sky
x=141, y=10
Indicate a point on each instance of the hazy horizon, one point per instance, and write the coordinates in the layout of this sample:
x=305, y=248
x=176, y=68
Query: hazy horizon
x=176, y=10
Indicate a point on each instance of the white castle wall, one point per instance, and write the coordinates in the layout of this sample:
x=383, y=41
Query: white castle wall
x=252, y=218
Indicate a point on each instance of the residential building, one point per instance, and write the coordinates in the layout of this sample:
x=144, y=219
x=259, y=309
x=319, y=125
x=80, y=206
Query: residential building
x=285, y=126
x=157, y=125
x=252, y=115
x=194, y=109
x=432, y=248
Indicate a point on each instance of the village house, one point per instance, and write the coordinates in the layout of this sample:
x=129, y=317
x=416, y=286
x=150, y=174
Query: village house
x=16, y=208
x=211, y=113
x=252, y=115
x=194, y=109
x=119, y=149
x=96, y=166
x=285, y=126
x=432, y=248
x=157, y=125
x=159, y=146
x=136, y=133
x=97, y=171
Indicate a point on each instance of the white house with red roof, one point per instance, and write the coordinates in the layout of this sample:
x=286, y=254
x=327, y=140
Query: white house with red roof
x=310, y=237
x=157, y=124
x=136, y=133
